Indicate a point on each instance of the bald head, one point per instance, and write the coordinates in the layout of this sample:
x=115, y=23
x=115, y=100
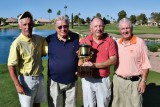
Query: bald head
x=97, y=28
x=96, y=20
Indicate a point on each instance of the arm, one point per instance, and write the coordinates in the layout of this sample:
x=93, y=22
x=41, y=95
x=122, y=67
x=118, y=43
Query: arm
x=145, y=68
x=111, y=61
x=13, y=74
x=142, y=84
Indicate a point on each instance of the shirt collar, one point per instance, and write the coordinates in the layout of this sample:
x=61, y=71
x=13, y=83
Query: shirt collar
x=132, y=41
x=25, y=38
x=62, y=39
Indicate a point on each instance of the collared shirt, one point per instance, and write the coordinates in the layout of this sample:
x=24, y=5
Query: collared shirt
x=63, y=39
x=102, y=51
x=62, y=58
x=26, y=53
x=132, y=57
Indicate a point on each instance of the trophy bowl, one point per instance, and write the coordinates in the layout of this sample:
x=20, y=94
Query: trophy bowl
x=85, y=50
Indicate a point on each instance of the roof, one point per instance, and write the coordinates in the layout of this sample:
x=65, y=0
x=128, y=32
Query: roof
x=12, y=20
x=43, y=20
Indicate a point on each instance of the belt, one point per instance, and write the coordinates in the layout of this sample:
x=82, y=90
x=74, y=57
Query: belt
x=132, y=78
x=32, y=77
x=99, y=77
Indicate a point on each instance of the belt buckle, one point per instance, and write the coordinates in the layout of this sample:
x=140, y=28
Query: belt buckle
x=134, y=78
x=128, y=78
x=35, y=77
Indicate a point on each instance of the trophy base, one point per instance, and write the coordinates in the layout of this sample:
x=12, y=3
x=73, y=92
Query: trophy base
x=85, y=71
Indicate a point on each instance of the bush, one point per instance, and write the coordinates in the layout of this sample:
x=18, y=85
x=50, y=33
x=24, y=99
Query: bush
x=153, y=47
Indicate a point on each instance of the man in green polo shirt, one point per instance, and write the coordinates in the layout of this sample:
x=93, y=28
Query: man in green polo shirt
x=25, y=54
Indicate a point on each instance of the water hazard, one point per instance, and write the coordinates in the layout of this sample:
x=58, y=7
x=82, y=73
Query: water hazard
x=8, y=35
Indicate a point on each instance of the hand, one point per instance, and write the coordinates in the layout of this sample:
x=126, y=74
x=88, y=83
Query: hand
x=88, y=64
x=141, y=87
x=20, y=89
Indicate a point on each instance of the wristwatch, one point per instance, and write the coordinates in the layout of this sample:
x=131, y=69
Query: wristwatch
x=143, y=80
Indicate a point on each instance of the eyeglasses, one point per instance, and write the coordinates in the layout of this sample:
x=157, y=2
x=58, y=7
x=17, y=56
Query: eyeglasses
x=64, y=26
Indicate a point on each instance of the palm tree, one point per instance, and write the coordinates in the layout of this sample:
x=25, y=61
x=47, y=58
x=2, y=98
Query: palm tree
x=79, y=18
x=58, y=13
x=65, y=7
x=49, y=11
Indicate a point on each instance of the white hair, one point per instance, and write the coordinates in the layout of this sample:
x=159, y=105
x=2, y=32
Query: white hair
x=125, y=20
x=61, y=18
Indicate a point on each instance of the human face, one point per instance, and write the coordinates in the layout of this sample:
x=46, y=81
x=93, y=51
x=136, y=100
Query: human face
x=125, y=31
x=97, y=28
x=62, y=28
x=26, y=26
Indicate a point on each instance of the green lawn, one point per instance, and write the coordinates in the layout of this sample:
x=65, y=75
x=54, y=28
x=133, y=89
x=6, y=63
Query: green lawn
x=9, y=98
x=110, y=28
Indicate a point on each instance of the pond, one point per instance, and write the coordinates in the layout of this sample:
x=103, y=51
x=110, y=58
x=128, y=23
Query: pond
x=8, y=35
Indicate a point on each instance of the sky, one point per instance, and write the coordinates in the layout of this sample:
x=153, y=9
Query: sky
x=86, y=8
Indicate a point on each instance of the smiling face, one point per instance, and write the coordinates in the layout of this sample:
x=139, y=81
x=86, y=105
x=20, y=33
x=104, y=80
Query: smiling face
x=26, y=26
x=125, y=29
x=62, y=28
x=97, y=28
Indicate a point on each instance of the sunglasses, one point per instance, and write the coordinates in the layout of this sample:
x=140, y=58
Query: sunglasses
x=64, y=26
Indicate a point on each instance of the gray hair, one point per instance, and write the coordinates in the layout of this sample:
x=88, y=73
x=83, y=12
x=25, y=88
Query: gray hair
x=125, y=20
x=19, y=20
x=61, y=18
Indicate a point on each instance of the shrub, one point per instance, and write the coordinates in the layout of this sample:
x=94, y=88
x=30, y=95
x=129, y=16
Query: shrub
x=153, y=47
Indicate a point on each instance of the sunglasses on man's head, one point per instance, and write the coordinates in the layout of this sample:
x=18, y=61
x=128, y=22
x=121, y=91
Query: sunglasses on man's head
x=64, y=26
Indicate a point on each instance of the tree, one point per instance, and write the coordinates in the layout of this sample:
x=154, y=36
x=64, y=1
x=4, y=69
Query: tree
x=58, y=13
x=142, y=18
x=133, y=19
x=49, y=11
x=3, y=21
x=88, y=20
x=65, y=7
x=98, y=15
x=155, y=16
x=121, y=14
x=79, y=18
x=106, y=21
x=67, y=16
x=72, y=20
x=82, y=21
x=76, y=19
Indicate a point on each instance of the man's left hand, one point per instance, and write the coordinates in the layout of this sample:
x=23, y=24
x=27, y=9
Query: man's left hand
x=87, y=63
x=141, y=87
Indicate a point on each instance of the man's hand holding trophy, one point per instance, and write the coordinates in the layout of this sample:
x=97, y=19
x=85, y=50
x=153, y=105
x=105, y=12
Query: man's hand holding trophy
x=86, y=68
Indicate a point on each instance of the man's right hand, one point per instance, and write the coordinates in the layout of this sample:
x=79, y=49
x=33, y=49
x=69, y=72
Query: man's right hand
x=20, y=89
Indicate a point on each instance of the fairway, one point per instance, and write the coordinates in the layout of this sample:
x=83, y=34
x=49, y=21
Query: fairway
x=9, y=98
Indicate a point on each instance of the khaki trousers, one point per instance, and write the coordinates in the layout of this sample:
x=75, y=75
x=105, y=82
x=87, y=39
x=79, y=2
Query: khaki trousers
x=125, y=93
x=61, y=95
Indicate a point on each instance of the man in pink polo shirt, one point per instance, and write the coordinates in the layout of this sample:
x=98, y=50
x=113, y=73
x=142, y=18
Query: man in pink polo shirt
x=97, y=88
x=132, y=68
